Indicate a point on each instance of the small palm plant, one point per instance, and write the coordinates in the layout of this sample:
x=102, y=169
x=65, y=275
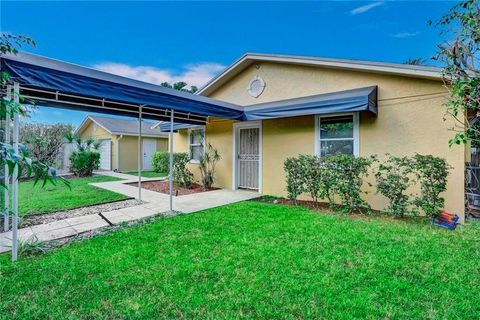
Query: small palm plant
x=86, y=158
x=207, y=163
x=87, y=145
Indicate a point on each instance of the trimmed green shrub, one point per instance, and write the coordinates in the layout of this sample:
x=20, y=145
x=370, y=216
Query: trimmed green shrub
x=86, y=158
x=181, y=175
x=432, y=173
x=82, y=163
x=341, y=177
x=161, y=161
x=346, y=174
x=393, y=179
x=295, y=177
x=327, y=177
x=313, y=176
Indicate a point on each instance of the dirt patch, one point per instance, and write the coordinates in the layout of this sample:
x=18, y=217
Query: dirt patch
x=162, y=186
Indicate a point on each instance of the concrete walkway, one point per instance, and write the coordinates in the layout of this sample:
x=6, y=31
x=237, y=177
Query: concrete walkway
x=153, y=203
x=125, y=176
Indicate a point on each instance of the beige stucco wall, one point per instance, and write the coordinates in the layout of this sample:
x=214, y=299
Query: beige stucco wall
x=128, y=150
x=127, y=146
x=98, y=133
x=219, y=135
x=410, y=119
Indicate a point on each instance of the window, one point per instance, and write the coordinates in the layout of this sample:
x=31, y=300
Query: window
x=196, y=144
x=337, y=135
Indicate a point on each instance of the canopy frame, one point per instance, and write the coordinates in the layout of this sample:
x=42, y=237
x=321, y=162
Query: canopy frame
x=57, y=84
x=51, y=83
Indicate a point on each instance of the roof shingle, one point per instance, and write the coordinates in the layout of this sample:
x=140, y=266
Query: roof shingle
x=126, y=126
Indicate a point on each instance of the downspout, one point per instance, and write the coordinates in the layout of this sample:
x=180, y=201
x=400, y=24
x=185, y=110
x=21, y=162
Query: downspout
x=120, y=137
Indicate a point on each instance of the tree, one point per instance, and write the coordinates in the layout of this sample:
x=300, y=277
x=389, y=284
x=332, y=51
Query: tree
x=8, y=155
x=44, y=142
x=181, y=86
x=461, y=75
x=414, y=61
x=9, y=43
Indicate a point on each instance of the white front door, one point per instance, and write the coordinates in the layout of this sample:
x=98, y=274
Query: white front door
x=149, y=148
x=105, y=154
x=248, y=154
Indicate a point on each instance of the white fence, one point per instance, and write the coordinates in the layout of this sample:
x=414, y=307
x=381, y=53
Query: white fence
x=63, y=159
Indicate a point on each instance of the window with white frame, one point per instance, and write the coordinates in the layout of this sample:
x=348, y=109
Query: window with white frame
x=337, y=134
x=196, y=144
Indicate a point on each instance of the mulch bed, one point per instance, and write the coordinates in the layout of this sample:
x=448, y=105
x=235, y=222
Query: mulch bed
x=162, y=186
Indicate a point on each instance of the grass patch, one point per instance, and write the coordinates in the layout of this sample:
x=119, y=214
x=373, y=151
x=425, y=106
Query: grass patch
x=35, y=199
x=148, y=174
x=253, y=260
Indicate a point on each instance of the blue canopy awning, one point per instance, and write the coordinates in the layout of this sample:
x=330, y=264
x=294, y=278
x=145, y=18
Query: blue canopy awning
x=355, y=100
x=54, y=83
x=362, y=99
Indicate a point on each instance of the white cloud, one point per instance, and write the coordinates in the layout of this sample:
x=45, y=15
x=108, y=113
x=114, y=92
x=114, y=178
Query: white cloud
x=405, y=34
x=365, y=8
x=193, y=74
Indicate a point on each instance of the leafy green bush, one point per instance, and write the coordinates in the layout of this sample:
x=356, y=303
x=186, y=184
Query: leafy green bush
x=393, y=179
x=86, y=158
x=82, y=163
x=432, y=173
x=327, y=177
x=181, y=175
x=346, y=173
x=312, y=176
x=341, y=177
x=294, y=171
x=161, y=161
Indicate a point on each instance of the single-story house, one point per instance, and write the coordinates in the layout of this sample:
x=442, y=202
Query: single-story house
x=293, y=101
x=119, y=137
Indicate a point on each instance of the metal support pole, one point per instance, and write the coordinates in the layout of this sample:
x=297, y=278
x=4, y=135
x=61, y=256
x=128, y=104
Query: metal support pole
x=6, y=213
x=171, y=160
x=140, y=154
x=16, y=120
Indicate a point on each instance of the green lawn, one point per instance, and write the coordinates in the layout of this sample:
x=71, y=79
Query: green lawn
x=253, y=260
x=148, y=174
x=35, y=199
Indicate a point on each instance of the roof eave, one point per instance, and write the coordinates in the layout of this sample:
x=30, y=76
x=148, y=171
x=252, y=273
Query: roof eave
x=130, y=134
x=365, y=66
x=84, y=123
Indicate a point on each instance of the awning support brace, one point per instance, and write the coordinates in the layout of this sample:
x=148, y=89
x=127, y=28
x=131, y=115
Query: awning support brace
x=171, y=162
x=140, y=158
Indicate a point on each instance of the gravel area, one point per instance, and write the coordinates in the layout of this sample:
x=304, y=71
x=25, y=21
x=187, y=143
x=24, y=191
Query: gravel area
x=32, y=220
x=50, y=245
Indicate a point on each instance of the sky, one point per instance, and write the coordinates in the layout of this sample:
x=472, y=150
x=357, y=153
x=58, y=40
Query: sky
x=194, y=41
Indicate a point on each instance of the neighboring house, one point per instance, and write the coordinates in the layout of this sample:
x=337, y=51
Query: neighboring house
x=297, y=102
x=119, y=137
